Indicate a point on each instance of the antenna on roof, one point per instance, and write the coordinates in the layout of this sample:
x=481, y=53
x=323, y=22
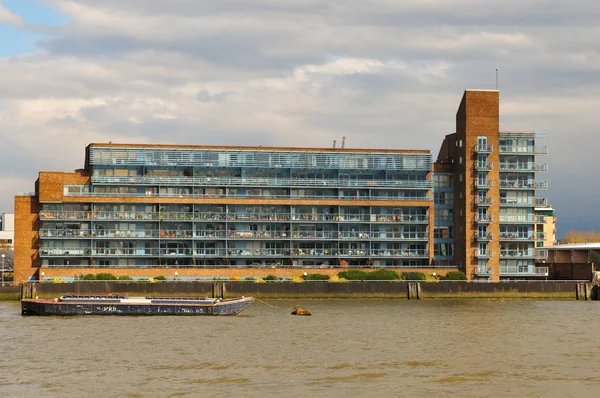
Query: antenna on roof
x=343, y=142
x=334, y=143
x=496, y=78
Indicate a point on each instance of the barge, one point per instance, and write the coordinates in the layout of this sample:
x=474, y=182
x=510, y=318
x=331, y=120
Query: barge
x=76, y=304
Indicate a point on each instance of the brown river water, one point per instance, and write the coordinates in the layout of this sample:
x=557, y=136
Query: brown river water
x=378, y=348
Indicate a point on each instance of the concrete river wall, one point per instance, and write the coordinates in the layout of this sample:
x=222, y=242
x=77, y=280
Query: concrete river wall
x=568, y=290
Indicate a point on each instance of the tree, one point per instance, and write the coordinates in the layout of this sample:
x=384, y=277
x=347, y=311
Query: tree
x=573, y=236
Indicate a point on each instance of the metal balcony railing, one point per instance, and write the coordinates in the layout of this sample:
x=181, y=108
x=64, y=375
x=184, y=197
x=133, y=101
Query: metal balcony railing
x=517, y=184
x=483, y=271
x=487, y=201
x=515, y=236
x=483, y=253
x=484, y=218
x=483, y=184
x=483, y=236
x=523, y=270
x=256, y=182
x=521, y=150
x=522, y=167
x=529, y=219
x=231, y=217
x=484, y=166
x=483, y=148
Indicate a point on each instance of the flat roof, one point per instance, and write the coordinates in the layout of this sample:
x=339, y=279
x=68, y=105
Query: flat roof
x=258, y=148
x=575, y=246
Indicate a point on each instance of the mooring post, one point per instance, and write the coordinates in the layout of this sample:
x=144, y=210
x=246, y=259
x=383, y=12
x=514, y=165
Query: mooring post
x=413, y=290
x=219, y=290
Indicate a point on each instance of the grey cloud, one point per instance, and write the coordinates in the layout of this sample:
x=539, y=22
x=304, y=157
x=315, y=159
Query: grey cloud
x=264, y=72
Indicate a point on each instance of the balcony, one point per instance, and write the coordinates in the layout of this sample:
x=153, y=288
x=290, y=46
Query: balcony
x=524, y=254
x=514, y=270
x=484, y=166
x=487, y=201
x=483, y=271
x=521, y=150
x=483, y=148
x=484, y=218
x=483, y=184
x=529, y=219
x=256, y=182
x=483, y=237
x=540, y=202
x=517, y=184
x=483, y=253
x=522, y=167
x=517, y=237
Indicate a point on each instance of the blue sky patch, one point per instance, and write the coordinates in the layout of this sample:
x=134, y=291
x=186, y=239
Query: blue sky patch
x=14, y=41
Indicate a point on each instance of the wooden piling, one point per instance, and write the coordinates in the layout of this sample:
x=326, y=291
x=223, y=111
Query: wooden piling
x=218, y=290
x=583, y=291
x=413, y=291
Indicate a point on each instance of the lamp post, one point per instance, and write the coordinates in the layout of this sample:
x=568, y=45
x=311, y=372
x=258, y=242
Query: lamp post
x=43, y=274
x=3, y=255
x=176, y=273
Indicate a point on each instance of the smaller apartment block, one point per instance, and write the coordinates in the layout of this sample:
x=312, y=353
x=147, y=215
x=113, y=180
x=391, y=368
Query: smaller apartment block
x=138, y=210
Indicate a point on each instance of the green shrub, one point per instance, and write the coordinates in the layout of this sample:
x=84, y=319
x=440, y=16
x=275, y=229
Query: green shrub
x=270, y=278
x=89, y=277
x=315, y=277
x=249, y=278
x=353, y=275
x=160, y=278
x=383, y=275
x=414, y=276
x=105, y=276
x=454, y=276
x=125, y=278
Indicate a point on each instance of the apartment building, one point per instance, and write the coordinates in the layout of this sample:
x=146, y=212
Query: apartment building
x=139, y=210
x=495, y=186
x=136, y=207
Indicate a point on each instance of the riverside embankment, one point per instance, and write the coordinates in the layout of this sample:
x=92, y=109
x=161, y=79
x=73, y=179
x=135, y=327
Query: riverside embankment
x=564, y=290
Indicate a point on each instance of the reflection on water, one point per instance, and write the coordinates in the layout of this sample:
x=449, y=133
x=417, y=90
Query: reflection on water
x=347, y=348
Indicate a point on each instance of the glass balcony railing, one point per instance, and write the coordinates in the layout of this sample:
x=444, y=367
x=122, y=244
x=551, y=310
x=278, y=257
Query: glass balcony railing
x=484, y=218
x=231, y=252
x=515, y=236
x=220, y=216
x=484, y=236
x=479, y=253
x=540, y=202
x=483, y=271
x=528, y=219
x=483, y=148
x=484, y=166
x=523, y=270
x=526, y=254
x=377, y=196
x=64, y=233
x=487, y=201
x=255, y=158
x=254, y=181
x=524, y=150
x=532, y=202
x=483, y=184
x=517, y=184
x=522, y=167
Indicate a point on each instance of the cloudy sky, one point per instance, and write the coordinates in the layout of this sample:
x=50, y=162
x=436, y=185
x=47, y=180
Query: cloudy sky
x=383, y=73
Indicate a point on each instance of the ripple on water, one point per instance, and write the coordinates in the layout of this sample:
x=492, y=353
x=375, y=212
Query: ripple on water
x=353, y=377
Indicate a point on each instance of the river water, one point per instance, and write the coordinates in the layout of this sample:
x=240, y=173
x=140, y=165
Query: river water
x=379, y=348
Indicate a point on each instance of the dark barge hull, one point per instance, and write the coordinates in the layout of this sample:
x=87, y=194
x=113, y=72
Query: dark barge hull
x=51, y=307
